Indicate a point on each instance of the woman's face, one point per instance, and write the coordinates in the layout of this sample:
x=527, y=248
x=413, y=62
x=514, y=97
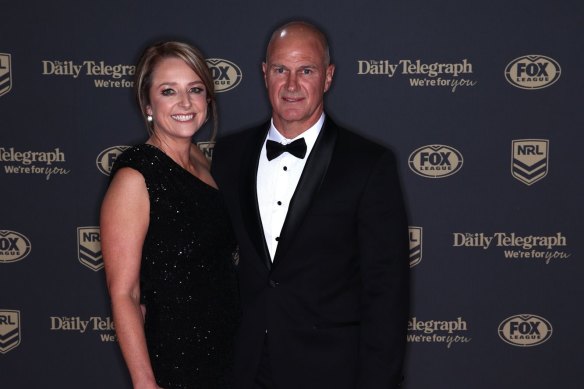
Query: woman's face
x=178, y=99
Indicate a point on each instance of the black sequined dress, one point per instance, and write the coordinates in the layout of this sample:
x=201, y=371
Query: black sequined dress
x=187, y=277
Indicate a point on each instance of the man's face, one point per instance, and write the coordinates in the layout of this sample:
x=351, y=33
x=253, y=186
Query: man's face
x=296, y=77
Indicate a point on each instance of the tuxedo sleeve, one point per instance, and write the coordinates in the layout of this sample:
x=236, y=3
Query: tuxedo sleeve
x=384, y=264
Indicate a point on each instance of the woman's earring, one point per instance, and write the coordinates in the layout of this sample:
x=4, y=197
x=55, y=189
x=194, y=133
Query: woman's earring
x=149, y=118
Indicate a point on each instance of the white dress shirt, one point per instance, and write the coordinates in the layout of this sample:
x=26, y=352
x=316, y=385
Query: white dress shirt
x=277, y=180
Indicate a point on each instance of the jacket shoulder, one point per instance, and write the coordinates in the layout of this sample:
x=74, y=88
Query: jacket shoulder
x=241, y=136
x=353, y=143
x=230, y=149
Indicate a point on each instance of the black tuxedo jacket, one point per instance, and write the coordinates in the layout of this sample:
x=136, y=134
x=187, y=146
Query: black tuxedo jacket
x=334, y=302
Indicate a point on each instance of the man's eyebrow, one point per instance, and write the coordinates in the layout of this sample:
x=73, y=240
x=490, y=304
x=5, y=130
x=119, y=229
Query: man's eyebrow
x=277, y=65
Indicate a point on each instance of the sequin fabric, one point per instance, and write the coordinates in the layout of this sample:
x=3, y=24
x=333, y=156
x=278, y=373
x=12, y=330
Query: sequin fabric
x=187, y=278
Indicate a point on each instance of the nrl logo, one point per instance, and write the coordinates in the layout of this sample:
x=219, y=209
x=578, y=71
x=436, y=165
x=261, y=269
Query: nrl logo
x=9, y=330
x=415, y=245
x=89, y=247
x=5, y=74
x=207, y=149
x=529, y=160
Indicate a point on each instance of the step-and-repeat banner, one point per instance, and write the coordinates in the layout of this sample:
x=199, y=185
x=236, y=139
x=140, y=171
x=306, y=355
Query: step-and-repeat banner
x=482, y=102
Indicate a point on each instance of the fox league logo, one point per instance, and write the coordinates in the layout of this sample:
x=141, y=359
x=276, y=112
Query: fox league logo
x=529, y=160
x=105, y=160
x=5, y=74
x=9, y=330
x=525, y=330
x=532, y=72
x=226, y=74
x=415, y=234
x=89, y=247
x=435, y=161
x=13, y=246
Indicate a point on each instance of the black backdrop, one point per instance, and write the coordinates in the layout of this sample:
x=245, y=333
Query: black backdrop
x=482, y=102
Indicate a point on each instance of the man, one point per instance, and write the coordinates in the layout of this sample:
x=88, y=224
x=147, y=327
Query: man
x=322, y=234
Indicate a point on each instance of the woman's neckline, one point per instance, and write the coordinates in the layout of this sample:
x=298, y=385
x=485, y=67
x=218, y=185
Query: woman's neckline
x=160, y=151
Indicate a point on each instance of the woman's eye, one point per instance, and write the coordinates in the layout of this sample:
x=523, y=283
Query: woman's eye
x=197, y=90
x=167, y=92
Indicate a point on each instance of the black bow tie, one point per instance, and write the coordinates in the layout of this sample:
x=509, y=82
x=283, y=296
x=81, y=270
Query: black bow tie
x=296, y=148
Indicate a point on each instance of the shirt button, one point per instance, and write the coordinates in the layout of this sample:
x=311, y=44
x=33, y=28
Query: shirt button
x=277, y=239
x=279, y=203
x=285, y=168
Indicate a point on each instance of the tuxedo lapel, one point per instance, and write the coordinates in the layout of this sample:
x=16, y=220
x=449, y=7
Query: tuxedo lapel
x=308, y=185
x=249, y=199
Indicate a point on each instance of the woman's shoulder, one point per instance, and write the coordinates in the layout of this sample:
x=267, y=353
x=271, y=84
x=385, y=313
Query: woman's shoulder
x=138, y=157
x=136, y=153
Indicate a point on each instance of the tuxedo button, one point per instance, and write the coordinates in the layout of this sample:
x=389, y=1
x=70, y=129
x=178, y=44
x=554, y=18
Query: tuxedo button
x=273, y=283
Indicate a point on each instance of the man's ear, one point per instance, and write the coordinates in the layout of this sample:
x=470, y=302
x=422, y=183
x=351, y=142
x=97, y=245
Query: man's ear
x=330, y=71
x=264, y=69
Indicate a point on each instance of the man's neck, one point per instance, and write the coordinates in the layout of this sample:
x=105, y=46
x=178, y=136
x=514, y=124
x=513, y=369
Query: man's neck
x=293, y=129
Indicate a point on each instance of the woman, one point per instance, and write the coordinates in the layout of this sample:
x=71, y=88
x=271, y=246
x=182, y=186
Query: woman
x=167, y=244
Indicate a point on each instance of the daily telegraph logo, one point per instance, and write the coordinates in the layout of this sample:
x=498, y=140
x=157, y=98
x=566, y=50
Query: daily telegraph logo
x=447, y=332
x=103, y=74
x=105, y=160
x=207, y=149
x=529, y=160
x=435, y=161
x=71, y=324
x=226, y=74
x=89, y=247
x=530, y=247
x=13, y=246
x=5, y=74
x=525, y=330
x=33, y=162
x=532, y=72
x=415, y=245
x=420, y=74
x=9, y=330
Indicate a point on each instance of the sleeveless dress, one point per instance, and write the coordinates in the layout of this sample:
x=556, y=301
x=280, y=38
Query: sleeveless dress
x=187, y=278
